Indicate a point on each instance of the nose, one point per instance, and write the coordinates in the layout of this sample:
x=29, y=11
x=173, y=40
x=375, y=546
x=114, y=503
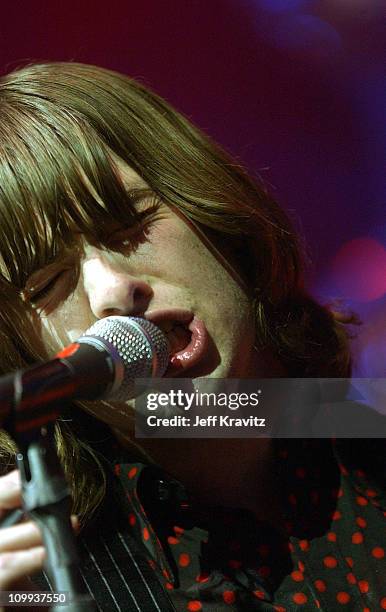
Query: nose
x=112, y=291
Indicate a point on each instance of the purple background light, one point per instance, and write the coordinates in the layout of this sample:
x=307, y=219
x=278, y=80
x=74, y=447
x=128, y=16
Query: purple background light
x=295, y=89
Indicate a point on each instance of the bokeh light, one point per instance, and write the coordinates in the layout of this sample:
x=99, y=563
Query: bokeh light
x=359, y=270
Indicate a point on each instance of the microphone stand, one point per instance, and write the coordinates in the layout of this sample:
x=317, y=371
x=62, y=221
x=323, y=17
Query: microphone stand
x=46, y=497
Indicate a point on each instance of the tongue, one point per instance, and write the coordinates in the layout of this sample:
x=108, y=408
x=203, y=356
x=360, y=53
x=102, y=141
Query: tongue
x=179, y=337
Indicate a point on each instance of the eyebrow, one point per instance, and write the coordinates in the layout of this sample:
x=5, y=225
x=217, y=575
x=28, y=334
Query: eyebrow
x=136, y=193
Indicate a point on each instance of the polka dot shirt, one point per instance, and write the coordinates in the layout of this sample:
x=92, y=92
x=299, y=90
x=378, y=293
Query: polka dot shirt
x=331, y=557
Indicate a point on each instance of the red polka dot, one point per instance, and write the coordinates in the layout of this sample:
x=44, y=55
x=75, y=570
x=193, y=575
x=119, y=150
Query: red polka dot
x=279, y=609
x=361, y=501
x=169, y=586
x=357, y=538
x=259, y=594
x=304, y=544
x=320, y=585
x=202, y=578
x=336, y=515
x=371, y=493
x=299, y=598
x=343, y=597
x=297, y=576
x=229, y=597
x=351, y=578
x=146, y=534
x=363, y=586
x=301, y=566
x=117, y=469
x=349, y=561
x=172, y=540
x=165, y=573
x=361, y=522
x=330, y=561
x=178, y=530
x=132, y=519
x=366, y=610
x=340, y=492
x=194, y=606
x=378, y=552
x=152, y=563
x=331, y=536
x=132, y=472
x=184, y=560
x=343, y=470
x=317, y=603
x=291, y=547
x=383, y=603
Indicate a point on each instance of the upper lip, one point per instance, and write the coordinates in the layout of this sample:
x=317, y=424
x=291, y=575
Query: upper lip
x=166, y=316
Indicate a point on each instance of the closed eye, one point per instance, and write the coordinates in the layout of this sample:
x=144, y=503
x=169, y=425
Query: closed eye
x=36, y=295
x=49, y=292
x=131, y=236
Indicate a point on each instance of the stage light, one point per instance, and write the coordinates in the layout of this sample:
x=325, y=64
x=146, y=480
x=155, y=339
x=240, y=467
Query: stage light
x=358, y=270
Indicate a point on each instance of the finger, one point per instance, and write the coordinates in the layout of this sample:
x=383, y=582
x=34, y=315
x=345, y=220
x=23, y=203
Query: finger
x=17, y=564
x=26, y=535
x=11, y=517
x=20, y=537
x=10, y=490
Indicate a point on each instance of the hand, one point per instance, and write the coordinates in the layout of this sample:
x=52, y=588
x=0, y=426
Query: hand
x=21, y=547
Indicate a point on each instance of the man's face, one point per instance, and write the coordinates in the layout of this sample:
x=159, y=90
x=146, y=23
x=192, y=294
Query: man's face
x=169, y=276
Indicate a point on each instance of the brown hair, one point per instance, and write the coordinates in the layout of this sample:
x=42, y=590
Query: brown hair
x=59, y=124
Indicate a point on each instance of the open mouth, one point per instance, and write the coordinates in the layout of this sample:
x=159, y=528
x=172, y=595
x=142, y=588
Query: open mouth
x=187, y=335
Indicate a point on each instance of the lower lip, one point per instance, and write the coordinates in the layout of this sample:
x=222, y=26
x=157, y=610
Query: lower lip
x=194, y=352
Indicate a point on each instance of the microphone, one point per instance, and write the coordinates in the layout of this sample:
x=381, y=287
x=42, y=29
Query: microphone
x=102, y=364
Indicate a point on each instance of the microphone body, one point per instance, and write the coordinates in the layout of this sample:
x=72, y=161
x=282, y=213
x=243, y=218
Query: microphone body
x=103, y=363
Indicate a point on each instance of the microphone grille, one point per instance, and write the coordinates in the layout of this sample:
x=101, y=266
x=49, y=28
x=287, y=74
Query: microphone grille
x=141, y=346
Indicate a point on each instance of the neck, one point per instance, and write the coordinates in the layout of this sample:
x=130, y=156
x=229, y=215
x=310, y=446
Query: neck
x=233, y=473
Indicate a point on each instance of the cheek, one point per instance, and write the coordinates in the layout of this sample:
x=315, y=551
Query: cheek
x=67, y=322
x=219, y=297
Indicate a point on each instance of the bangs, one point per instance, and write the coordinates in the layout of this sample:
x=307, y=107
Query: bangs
x=57, y=177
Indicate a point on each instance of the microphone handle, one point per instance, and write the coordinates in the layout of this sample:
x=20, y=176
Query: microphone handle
x=32, y=398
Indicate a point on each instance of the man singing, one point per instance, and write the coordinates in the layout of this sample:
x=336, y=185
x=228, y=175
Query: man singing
x=112, y=203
